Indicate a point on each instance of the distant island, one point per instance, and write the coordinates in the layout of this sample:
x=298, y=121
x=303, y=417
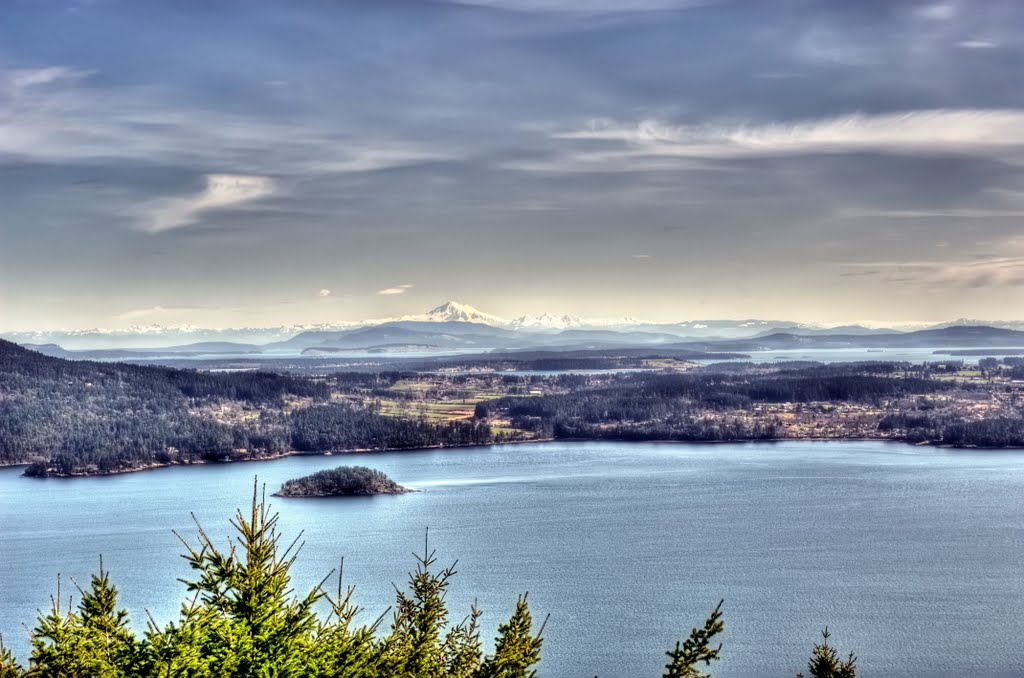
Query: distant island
x=344, y=481
x=65, y=418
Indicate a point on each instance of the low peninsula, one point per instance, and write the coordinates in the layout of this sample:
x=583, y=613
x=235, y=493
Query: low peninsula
x=344, y=481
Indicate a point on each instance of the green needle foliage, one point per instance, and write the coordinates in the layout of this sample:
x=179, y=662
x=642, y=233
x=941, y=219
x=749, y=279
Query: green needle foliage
x=683, y=660
x=9, y=667
x=516, y=648
x=243, y=619
x=825, y=661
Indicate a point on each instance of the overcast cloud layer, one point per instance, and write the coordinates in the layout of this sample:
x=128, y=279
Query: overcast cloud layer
x=261, y=163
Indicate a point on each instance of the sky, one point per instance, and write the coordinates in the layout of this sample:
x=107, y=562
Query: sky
x=243, y=163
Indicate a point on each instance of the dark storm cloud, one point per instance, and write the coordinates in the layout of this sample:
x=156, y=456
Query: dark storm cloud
x=201, y=156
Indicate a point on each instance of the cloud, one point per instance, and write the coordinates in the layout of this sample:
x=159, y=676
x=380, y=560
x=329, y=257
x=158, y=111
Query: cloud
x=641, y=256
x=953, y=213
x=992, y=272
x=324, y=292
x=222, y=190
x=14, y=82
x=823, y=45
x=400, y=289
x=582, y=6
x=921, y=131
x=155, y=312
x=57, y=114
x=939, y=11
x=977, y=44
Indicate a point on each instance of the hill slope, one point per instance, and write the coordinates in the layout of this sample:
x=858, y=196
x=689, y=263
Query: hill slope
x=81, y=418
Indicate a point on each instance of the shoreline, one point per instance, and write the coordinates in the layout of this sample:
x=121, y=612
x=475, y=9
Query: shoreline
x=298, y=453
x=273, y=457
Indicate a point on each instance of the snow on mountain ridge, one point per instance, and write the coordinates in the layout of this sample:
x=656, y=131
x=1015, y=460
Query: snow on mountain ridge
x=151, y=336
x=547, y=321
x=453, y=311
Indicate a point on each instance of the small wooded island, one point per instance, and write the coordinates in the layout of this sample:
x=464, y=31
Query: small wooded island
x=344, y=481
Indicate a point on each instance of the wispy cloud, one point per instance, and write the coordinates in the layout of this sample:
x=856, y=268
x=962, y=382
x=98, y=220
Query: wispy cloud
x=965, y=130
x=952, y=213
x=222, y=190
x=155, y=313
x=582, y=6
x=826, y=45
x=977, y=44
x=59, y=114
x=938, y=11
x=14, y=82
x=992, y=272
x=323, y=293
x=400, y=289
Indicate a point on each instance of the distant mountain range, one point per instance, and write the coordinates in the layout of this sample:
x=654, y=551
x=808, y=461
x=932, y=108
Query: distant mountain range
x=455, y=326
x=946, y=337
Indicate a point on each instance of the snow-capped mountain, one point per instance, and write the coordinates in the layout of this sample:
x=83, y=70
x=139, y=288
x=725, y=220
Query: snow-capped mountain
x=162, y=336
x=525, y=329
x=545, y=321
x=453, y=311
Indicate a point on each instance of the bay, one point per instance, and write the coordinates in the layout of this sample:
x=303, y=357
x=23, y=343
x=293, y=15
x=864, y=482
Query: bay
x=911, y=555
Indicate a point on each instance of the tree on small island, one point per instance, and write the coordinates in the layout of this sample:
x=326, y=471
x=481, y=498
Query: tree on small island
x=343, y=481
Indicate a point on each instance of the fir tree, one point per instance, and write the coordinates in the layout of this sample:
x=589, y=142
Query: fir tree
x=244, y=612
x=415, y=645
x=107, y=626
x=339, y=650
x=9, y=667
x=825, y=661
x=516, y=649
x=63, y=645
x=683, y=660
x=462, y=646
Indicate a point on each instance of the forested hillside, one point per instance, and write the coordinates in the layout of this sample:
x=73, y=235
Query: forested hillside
x=915, y=403
x=76, y=417
x=71, y=417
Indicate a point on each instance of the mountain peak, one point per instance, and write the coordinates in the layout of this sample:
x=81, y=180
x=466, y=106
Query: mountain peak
x=453, y=311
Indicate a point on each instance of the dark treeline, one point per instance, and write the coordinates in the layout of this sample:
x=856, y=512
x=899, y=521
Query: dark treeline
x=73, y=417
x=997, y=432
x=926, y=426
x=648, y=395
x=22, y=369
x=695, y=406
x=77, y=417
x=627, y=411
x=338, y=427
